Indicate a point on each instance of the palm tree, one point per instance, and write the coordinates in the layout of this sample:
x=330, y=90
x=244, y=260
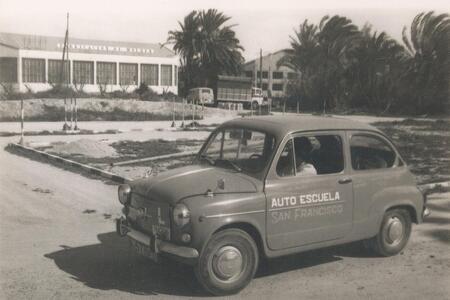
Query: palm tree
x=207, y=46
x=303, y=56
x=377, y=67
x=184, y=43
x=320, y=53
x=428, y=46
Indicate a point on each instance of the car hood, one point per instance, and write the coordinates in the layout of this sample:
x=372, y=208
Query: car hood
x=176, y=184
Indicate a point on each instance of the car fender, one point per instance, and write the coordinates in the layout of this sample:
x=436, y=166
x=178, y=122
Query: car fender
x=388, y=198
x=211, y=214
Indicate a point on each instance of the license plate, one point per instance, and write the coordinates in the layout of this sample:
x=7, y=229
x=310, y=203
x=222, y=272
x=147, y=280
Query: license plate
x=143, y=250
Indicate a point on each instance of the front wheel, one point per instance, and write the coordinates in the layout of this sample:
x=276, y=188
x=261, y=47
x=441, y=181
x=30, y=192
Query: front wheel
x=393, y=235
x=228, y=262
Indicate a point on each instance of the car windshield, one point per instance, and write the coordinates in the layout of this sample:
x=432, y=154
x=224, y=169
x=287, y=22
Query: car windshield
x=240, y=149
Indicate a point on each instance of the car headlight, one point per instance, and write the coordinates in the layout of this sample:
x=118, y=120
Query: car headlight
x=124, y=193
x=181, y=215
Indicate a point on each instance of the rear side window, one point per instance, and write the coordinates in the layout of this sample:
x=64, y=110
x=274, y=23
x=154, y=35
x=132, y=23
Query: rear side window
x=205, y=91
x=370, y=152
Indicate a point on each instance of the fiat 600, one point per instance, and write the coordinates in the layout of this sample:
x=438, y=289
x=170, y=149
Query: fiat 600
x=263, y=187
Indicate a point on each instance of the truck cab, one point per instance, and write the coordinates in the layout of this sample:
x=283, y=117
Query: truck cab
x=201, y=96
x=257, y=97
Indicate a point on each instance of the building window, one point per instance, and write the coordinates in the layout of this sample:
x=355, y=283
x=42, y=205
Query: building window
x=265, y=86
x=277, y=87
x=106, y=73
x=292, y=75
x=149, y=74
x=33, y=70
x=277, y=75
x=249, y=74
x=54, y=71
x=83, y=72
x=265, y=74
x=8, y=69
x=166, y=75
x=128, y=74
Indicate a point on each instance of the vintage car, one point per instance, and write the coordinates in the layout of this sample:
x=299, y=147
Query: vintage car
x=263, y=187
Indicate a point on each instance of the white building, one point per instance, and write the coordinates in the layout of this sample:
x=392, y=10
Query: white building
x=273, y=78
x=34, y=62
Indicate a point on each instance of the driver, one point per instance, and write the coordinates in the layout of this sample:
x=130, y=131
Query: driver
x=303, y=149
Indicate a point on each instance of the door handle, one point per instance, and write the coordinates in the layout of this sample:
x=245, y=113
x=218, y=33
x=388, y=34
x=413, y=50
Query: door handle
x=345, y=180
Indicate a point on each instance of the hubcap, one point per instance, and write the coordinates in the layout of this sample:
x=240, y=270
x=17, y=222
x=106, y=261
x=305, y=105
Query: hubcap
x=394, y=230
x=227, y=262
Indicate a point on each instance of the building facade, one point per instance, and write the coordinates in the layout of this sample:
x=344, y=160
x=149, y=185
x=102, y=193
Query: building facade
x=30, y=62
x=274, y=79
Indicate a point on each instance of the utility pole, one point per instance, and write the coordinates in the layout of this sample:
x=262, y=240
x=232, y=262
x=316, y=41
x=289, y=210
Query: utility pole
x=65, y=56
x=260, y=68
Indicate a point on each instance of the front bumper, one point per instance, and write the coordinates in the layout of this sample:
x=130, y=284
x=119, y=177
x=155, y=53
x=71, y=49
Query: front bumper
x=153, y=243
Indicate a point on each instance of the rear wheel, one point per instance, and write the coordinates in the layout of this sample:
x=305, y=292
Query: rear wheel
x=255, y=105
x=393, y=235
x=228, y=262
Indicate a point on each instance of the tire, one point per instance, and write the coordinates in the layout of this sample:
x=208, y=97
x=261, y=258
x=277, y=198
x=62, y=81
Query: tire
x=394, y=233
x=255, y=105
x=228, y=262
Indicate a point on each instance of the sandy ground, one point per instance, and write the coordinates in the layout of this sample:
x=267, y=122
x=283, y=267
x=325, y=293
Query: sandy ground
x=57, y=241
x=101, y=126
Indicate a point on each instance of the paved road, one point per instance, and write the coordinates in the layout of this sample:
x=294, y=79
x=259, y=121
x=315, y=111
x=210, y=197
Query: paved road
x=57, y=242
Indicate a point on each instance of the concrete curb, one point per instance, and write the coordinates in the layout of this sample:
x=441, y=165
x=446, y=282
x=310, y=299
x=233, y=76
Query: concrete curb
x=89, y=169
x=429, y=186
x=153, y=158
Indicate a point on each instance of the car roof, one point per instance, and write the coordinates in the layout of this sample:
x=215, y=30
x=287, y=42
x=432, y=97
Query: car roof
x=280, y=125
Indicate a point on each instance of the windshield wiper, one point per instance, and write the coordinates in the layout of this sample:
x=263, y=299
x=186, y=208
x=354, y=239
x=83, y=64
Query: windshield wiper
x=208, y=159
x=235, y=166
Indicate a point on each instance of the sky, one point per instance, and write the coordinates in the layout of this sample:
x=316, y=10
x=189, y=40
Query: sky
x=262, y=24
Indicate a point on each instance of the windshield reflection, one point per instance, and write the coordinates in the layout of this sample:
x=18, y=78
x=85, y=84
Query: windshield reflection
x=240, y=149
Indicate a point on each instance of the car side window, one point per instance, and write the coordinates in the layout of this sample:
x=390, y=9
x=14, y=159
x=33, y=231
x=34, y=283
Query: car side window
x=285, y=164
x=311, y=155
x=318, y=154
x=370, y=152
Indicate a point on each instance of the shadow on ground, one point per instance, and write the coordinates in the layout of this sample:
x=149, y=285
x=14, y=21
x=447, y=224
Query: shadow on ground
x=112, y=264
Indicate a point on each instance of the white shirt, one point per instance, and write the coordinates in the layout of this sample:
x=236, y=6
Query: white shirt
x=306, y=169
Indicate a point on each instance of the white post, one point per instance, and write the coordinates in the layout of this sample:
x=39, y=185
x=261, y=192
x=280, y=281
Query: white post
x=182, y=122
x=193, y=113
x=71, y=113
x=21, y=122
x=76, y=114
x=173, y=113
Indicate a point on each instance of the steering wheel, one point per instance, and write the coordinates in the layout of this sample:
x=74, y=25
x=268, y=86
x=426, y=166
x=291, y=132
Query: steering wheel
x=255, y=156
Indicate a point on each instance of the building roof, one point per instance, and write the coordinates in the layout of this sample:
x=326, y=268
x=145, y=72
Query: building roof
x=76, y=45
x=269, y=59
x=280, y=125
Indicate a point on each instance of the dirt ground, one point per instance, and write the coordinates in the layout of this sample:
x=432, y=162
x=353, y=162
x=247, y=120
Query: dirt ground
x=424, y=144
x=57, y=241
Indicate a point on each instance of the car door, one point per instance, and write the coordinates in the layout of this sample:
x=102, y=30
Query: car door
x=376, y=169
x=303, y=207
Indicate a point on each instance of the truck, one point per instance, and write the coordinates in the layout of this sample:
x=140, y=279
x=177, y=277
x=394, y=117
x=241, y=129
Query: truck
x=238, y=90
x=201, y=95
